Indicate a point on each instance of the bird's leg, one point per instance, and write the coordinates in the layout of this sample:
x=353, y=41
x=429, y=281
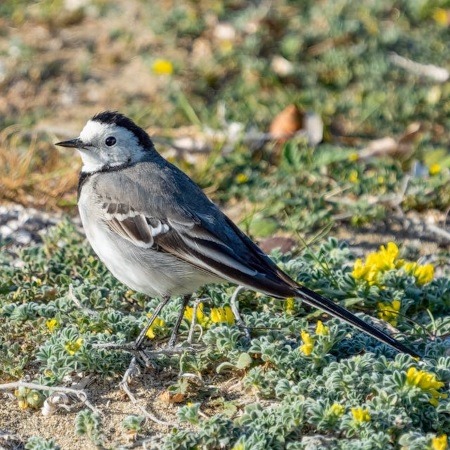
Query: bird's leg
x=142, y=356
x=194, y=322
x=235, y=308
x=174, y=335
x=140, y=339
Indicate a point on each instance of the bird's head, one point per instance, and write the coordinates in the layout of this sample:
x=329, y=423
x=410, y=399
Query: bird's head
x=111, y=140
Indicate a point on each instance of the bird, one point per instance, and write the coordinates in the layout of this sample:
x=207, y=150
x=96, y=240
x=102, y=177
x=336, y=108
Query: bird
x=159, y=234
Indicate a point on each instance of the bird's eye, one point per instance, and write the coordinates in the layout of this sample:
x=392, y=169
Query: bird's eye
x=110, y=141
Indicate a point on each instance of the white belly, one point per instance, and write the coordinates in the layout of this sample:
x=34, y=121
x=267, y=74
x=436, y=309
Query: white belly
x=142, y=269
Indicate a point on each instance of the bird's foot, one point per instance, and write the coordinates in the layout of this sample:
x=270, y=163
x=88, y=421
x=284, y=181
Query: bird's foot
x=139, y=352
x=146, y=355
x=125, y=346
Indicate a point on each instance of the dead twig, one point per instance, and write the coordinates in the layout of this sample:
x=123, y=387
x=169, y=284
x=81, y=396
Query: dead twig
x=87, y=311
x=436, y=73
x=206, y=143
x=80, y=394
x=133, y=371
x=437, y=230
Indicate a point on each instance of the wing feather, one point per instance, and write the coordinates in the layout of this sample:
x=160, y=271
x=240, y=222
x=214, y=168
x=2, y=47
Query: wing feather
x=195, y=244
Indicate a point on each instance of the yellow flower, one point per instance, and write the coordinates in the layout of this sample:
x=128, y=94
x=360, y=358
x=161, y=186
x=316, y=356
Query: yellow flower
x=239, y=446
x=200, y=316
x=23, y=404
x=289, y=305
x=52, y=324
x=226, y=46
x=321, y=329
x=353, y=177
x=72, y=347
x=441, y=16
x=387, y=259
x=336, y=409
x=189, y=313
x=439, y=442
x=222, y=315
x=21, y=395
x=423, y=274
x=162, y=67
x=241, y=178
x=389, y=311
x=361, y=415
x=427, y=382
x=376, y=263
x=353, y=157
x=360, y=270
x=37, y=280
x=308, y=343
x=434, y=169
x=155, y=327
x=27, y=397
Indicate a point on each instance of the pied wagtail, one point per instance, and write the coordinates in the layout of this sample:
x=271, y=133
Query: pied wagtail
x=159, y=234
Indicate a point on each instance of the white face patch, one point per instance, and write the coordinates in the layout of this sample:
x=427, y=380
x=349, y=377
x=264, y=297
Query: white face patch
x=93, y=130
x=98, y=155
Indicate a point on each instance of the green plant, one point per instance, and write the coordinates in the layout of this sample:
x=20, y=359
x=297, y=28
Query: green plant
x=38, y=443
x=88, y=424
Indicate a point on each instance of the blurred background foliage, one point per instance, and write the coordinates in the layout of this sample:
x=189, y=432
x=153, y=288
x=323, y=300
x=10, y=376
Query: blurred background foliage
x=192, y=70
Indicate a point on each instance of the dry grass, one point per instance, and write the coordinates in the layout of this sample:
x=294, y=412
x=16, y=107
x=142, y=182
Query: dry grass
x=34, y=172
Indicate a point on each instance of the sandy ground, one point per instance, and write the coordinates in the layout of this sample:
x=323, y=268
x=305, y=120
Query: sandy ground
x=150, y=390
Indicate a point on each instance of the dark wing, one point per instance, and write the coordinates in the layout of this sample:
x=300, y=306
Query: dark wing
x=195, y=244
x=195, y=231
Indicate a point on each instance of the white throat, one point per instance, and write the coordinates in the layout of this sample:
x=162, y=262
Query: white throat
x=92, y=164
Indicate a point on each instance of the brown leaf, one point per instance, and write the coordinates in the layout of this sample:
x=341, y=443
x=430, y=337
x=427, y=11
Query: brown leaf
x=169, y=397
x=292, y=120
x=412, y=133
x=164, y=397
x=286, y=123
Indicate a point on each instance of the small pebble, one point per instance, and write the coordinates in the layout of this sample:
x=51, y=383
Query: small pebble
x=20, y=226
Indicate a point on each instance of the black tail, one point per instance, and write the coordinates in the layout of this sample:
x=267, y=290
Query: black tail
x=335, y=310
x=271, y=280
